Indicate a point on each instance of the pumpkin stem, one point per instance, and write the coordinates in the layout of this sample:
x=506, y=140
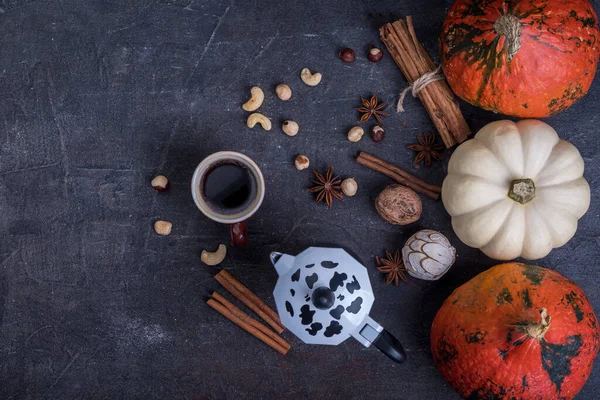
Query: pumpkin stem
x=539, y=329
x=522, y=190
x=510, y=26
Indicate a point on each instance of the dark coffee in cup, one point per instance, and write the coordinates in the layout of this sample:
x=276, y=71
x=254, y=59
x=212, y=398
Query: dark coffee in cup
x=228, y=187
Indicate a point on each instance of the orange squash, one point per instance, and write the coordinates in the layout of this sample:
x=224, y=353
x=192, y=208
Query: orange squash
x=516, y=331
x=528, y=59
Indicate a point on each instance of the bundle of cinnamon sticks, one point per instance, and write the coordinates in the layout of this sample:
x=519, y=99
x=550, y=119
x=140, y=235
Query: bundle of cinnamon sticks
x=399, y=175
x=401, y=42
x=243, y=320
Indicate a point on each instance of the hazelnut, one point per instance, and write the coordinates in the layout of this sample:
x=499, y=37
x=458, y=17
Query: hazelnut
x=163, y=227
x=302, y=162
x=355, y=134
x=347, y=55
x=349, y=187
x=377, y=133
x=290, y=127
x=160, y=183
x=399, y=205
x=283, y=92
x=375, y=54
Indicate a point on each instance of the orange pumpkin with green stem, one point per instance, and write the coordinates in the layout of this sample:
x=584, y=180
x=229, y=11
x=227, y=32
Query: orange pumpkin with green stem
x=528, y=59
x=516, y=331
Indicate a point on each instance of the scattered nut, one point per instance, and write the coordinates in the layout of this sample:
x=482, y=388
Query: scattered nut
x=163, y=227
x=302, y=162
x=349, y=187
x=375, y=54
x=160, y=183
x=428, y=255
x=347, y=55
x=284, y=92
x=258, y=118
x=309, y=78
x=256, y=99
x=214, y=258
x=290, y=127
x=355, y=134
x=399, y=205
x=377, y=133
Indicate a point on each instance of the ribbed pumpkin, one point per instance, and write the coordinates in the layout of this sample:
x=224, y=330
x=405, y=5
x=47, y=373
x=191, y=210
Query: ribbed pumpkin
x=529, y=59
x=516, y=331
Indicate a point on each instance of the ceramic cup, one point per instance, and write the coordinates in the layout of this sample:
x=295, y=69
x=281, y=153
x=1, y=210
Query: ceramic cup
x=237, y=219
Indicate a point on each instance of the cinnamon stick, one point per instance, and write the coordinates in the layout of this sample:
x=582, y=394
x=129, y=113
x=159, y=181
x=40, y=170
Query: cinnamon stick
x=245, y=326
x=401, y=42
x=249, y=299
x=249, y=320
x=401, y=172
x=239, y=286
x=398, y=178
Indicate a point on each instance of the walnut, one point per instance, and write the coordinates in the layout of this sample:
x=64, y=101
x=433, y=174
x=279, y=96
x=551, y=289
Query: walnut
x=399, y=205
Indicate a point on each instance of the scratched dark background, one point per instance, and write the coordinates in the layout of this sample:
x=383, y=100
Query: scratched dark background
x=99, y=96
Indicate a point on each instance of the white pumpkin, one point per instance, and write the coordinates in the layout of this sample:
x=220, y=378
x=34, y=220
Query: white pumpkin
x=516, y=190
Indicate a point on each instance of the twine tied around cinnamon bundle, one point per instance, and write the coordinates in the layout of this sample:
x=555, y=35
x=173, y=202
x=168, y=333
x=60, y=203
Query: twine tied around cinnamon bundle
x=420, y=84
x=404, y=47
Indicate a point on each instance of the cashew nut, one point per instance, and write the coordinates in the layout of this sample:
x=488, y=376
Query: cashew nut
x=256, y=99
x=258, y=118
x=214, y=258
x=309, y=78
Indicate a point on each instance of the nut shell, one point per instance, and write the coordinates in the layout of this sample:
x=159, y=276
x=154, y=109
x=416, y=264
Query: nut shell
x=399, y=205
x=428, y=255
x=347, y=55
x=377, y=133
x=375, y=54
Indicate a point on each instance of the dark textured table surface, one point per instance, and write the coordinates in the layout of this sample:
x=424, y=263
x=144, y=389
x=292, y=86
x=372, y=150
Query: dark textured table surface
x=100, y=96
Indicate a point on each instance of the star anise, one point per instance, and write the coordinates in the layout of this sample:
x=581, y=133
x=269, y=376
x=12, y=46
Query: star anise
x=327, y=187
x=392, y=266
x=372, y=108
x=427, y=149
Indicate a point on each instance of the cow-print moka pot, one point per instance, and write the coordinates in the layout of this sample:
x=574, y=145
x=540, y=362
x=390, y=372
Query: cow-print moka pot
x=324, y=296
